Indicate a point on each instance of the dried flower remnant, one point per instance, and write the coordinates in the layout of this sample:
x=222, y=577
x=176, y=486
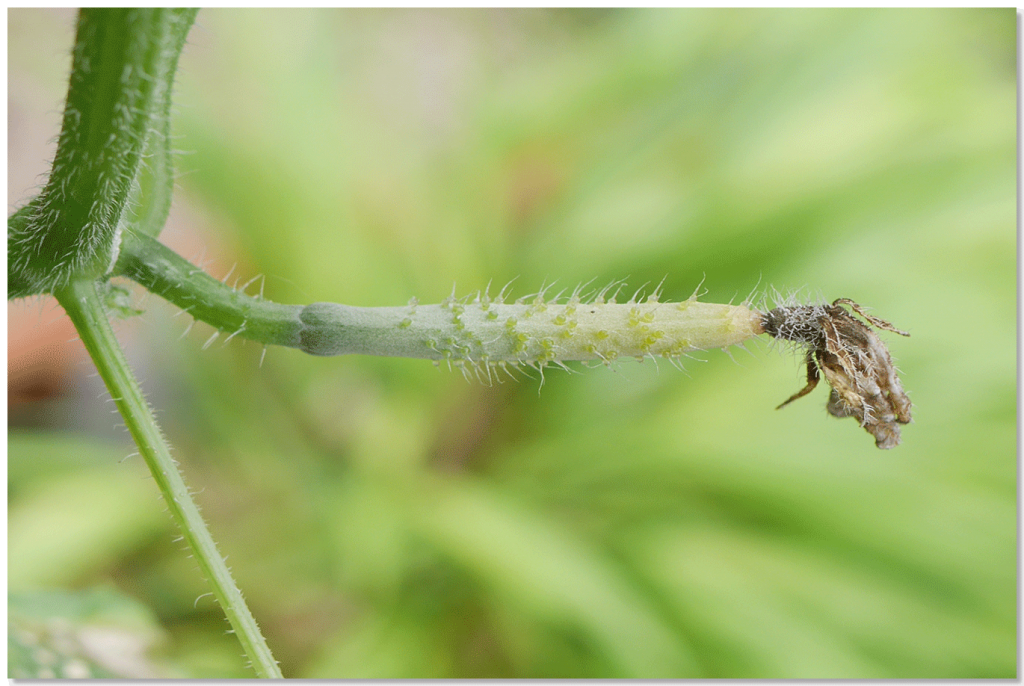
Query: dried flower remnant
x=855, y=362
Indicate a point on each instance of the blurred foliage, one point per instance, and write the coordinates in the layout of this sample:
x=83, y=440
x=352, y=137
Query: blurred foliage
x=385, y=519
x=99, y=634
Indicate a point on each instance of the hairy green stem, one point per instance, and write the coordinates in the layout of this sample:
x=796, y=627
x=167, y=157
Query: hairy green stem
x=118, y=99
x=479, y=332
x=162, y=271
x=81, y=299
x=112, y=176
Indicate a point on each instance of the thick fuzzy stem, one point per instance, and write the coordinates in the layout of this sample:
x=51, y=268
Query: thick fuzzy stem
x=117, y=106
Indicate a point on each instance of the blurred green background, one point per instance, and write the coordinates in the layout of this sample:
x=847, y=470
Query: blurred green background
x=386, y=519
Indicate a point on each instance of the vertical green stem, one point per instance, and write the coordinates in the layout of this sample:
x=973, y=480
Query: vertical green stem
x=81, y=300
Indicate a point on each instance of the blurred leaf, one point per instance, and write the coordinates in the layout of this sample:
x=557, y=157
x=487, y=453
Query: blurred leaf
x=98, y=633
x=81, y=519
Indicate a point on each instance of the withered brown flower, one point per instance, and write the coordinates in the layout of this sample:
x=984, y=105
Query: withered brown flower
x=855, y=362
